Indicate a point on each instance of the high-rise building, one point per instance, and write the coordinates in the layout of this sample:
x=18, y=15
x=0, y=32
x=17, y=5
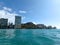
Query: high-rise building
x=17, y=22
x=3, y=23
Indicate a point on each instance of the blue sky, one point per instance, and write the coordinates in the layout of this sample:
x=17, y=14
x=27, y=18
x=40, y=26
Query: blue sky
x=38, y=11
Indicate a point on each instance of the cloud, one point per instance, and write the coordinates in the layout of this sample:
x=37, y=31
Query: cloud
x=34, y=22
x=5, y=13
x=56, y=25
x=7, y=9
x=22, y=11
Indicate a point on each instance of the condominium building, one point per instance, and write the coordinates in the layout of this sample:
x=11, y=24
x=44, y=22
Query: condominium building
x=3, y=23
x=17, y=22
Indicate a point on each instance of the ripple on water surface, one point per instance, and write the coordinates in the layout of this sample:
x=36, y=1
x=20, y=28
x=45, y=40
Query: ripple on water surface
x=29, y=37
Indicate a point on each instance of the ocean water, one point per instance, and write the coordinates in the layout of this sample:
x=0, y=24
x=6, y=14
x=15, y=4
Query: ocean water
x=29, y=37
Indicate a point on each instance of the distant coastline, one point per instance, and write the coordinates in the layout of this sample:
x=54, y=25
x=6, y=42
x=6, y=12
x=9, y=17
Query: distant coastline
x=18, y=25
x=28, y=25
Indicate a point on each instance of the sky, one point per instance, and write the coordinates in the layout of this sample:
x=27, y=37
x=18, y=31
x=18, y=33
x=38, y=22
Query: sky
x=37, y=11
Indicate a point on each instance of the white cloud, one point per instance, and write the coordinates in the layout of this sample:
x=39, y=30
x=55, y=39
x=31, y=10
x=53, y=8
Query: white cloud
x=58, y=26
x=34, y=22
x=5, y=13
x=7, y=9
x=22, y=11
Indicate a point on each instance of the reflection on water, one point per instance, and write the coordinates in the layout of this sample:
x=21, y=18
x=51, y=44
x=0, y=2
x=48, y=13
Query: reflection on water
x=7, y=34
x=29, y=37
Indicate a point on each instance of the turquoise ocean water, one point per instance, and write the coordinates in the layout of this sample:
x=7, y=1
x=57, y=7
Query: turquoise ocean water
x=29, y=37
